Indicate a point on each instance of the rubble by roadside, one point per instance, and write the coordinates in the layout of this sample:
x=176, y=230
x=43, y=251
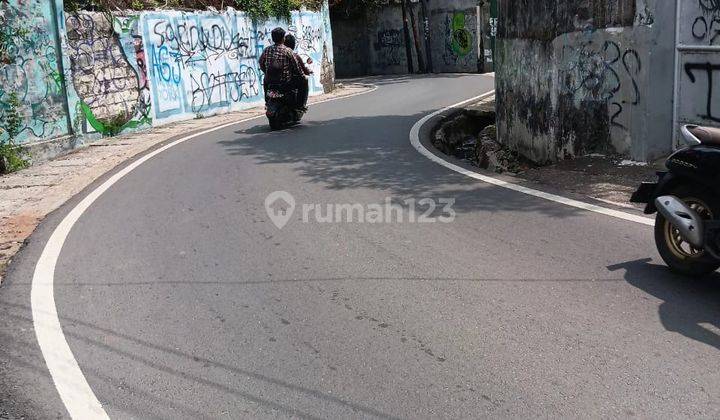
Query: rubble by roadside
x=470, y=134
x=27, y=196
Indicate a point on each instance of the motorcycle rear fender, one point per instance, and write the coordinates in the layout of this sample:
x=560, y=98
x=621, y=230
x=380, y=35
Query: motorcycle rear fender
x=667, y=182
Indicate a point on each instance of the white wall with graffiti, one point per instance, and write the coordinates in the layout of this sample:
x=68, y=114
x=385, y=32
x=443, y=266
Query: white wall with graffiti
x=203, y=63
x=90, y=74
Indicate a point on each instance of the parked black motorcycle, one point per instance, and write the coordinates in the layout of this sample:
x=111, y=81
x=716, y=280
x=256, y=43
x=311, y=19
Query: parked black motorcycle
x=687, y=201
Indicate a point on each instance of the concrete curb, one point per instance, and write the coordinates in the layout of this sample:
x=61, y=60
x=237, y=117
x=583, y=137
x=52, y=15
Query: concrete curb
x=426, y=130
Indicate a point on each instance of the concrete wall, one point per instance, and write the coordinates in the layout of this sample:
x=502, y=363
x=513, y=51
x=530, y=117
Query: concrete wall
x=203, y=63
x=29, y=69
x=374, y=43
x=351, y=47
x=698, y=101
x=92, y=74
x=108, y=89
x=582, y=76
x=454, y=41
x=386, y=38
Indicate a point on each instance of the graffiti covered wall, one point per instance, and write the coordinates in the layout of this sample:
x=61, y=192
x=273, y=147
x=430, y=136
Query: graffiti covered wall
x=581, y=76
x=453, y=33
x=457, y=49
x=29, y=71
x=108, y=86
x=93, y=74
x=698, y=69
x=351, y=46
x=203, y=63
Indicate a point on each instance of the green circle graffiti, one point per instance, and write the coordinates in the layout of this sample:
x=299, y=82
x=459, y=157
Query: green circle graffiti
x=461, y=42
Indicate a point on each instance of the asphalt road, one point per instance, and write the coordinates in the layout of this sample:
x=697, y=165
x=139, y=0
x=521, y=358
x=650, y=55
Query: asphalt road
x=180, y=299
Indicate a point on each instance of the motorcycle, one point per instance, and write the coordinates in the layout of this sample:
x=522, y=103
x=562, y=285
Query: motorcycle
x=686, y=199
x=280, y=107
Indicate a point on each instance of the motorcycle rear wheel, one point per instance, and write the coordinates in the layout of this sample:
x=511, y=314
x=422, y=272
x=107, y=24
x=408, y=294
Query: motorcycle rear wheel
x=681, y=257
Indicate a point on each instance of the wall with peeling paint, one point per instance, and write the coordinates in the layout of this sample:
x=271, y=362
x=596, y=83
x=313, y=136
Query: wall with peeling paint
x=584, y=76
x=90, y=74
x=108, y=90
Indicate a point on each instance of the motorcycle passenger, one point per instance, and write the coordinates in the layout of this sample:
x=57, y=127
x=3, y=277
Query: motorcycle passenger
x=279, y=64
x=299, y=82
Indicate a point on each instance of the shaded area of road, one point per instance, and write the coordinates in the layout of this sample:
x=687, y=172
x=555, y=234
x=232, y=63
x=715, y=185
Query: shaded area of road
x=180, y=299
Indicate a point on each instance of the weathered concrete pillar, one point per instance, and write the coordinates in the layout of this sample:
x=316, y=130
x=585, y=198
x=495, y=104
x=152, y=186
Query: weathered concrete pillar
x=585, y=76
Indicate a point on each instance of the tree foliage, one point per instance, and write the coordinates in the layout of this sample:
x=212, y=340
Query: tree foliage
x=257, y=9
x=353, y=8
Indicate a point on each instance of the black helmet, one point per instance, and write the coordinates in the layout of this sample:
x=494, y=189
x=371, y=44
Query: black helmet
x=290, y=41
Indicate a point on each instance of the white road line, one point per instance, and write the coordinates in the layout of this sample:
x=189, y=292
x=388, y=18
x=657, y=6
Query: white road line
x=415, y=140
x=75, y=392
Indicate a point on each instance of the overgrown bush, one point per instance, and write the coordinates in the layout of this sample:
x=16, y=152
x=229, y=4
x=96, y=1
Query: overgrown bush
x=262, y=9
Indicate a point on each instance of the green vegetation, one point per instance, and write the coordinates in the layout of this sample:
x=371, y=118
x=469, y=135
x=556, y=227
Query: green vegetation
x=257, y=9
x=349, y=8
x=114, y=125
x=12, y=156
x=107, y=126
x=263, y=9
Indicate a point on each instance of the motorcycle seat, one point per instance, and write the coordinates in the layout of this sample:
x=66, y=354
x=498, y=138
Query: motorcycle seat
x=706, y=135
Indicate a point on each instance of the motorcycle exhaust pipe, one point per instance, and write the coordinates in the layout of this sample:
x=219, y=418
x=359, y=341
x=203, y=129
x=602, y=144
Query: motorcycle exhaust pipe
x=683, y=218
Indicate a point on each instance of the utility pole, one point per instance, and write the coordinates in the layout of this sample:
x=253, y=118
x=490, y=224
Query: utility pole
x=416, y=38
x=426, y=35
x=406, y=32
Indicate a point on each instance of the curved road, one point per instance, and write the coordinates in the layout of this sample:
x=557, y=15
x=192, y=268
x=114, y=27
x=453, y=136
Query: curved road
x=180, y=299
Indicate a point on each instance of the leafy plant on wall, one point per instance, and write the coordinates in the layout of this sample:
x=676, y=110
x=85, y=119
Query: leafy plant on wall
x=280, y=9
x=11, y=155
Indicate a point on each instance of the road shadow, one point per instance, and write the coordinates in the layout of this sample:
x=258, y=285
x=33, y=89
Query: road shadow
x=265, y=129
x=688, y=303
x=381, y=80
x=338, y=154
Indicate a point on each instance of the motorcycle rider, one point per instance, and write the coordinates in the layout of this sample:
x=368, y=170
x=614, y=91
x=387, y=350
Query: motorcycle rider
x=299, y=82
x=279, y=64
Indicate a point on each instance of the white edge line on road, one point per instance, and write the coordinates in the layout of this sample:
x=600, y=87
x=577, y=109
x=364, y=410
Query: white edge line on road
x=75, y=392
x=415, y=140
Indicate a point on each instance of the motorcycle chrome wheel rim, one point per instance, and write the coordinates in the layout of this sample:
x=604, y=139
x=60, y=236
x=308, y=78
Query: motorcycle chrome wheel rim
x=680, y=247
